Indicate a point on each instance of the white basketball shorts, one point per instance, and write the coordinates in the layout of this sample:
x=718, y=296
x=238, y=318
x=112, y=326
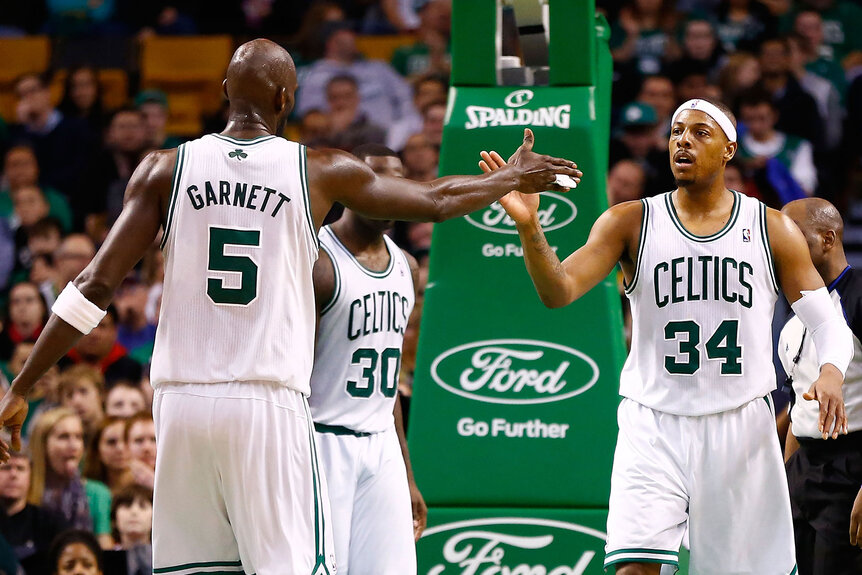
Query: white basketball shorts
x=720, y=476
x=372, y=518
x=238, y=486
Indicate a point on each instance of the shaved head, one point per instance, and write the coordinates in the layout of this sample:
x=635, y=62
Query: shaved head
x=816, y=215
x=260, y=82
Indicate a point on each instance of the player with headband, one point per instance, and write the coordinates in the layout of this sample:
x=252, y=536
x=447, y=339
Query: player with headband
x=697, y=448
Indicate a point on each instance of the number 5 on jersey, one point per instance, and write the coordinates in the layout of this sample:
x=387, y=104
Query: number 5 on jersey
x=227, y=265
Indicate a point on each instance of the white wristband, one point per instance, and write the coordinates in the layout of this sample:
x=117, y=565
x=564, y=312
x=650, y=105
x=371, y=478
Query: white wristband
x=76, y=310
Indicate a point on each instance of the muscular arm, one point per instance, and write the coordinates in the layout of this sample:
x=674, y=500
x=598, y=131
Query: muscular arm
x=792, y=259
x=143, y=212
x=335, y=176
x=560, y=283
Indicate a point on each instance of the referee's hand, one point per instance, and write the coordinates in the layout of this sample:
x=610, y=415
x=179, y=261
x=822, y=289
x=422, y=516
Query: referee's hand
x=827, y=391
x=856, y=521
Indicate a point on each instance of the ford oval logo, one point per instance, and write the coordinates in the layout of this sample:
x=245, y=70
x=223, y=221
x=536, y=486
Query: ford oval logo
x=556, y=211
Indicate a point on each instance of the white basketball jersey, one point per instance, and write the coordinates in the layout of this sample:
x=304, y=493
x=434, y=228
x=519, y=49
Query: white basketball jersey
x=239, y=245
x=359, y=338
x=702, y=312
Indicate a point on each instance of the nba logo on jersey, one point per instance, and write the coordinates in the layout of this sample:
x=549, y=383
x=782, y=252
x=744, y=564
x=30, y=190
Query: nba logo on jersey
x=746, y=235
x=694, y=104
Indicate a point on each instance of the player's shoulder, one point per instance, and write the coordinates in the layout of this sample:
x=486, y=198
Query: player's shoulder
x=780, y=226
x=626, y=213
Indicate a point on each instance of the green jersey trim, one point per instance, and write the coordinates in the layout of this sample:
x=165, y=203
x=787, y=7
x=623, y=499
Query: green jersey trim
x=641, y=555
x=303, y=177
x=319, y=519
x=734, y=213
x=242, y=142
x=337, y=291
x=641, y=242
x=764, y=234
x=172, y=202
x=367, y=271
x=204, y=564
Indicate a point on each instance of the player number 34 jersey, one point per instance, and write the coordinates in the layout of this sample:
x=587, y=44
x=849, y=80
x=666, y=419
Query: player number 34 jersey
x=702, y=312
x=358, y=353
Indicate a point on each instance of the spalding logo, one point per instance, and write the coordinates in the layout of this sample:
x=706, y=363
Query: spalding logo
x=514, y=371
x=518, y=98
x=512, y=545
x=555, y=211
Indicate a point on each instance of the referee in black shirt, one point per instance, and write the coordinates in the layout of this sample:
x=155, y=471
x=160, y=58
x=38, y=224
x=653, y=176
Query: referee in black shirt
x=825, y=476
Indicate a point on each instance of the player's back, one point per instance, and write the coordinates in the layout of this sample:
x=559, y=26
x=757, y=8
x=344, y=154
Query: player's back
x=702, y=312
x=239, y=246
x=358, y=354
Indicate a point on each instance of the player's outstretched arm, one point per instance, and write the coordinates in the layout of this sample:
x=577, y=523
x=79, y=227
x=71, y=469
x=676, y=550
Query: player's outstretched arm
x=336, y=176
x=803, y=287
x=129, y=239
x=560, y=283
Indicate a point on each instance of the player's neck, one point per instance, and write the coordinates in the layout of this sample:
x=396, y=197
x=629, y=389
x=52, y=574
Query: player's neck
x=702, y=198
x=357, y=236
x=246, y=125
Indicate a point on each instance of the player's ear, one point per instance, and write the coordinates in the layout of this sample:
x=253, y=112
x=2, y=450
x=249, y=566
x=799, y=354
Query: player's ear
x=224, y=88
x=283, y=99
x=828, y=239
x=730, y=151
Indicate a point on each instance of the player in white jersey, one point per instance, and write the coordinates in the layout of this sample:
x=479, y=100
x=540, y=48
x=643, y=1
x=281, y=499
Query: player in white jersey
x=364, y=287
x=697, y=446
x=238, y=487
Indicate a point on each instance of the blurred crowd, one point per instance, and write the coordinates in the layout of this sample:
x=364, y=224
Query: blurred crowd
x=81, y=492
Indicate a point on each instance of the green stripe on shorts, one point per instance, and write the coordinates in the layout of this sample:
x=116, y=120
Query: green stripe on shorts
x=204, y=564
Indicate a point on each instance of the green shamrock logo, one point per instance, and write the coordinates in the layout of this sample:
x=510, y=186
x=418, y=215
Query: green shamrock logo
x=238, y=154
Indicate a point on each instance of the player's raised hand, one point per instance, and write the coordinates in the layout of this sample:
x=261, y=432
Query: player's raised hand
x=13, y=411
x=538, y=173
x=520, y=207
x=827, y=391
x=856, y=521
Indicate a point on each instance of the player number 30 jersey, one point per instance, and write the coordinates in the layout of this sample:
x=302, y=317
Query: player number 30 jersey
x=358, y=353
x=702, y=312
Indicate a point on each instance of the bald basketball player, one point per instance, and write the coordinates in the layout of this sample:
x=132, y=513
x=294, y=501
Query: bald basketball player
x=238, y=486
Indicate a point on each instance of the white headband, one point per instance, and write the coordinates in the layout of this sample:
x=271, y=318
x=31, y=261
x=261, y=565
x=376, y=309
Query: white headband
x=713, y=112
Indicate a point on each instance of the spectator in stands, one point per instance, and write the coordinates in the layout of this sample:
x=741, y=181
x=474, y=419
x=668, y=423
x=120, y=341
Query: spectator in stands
x=135, y=332
x=659, y=92
x=79, y=17
x=824, y=92
x=60, y=142
x=349, y=125
x=797, y=110
x=77, y=552
x=46, y=396
x=100, y=349
x=74, y=254
x=420, y=158
x=21, y=169
x=110, y=170
x=700, y=49
x=816, y=54
x=132, y=516
x=433, y=118
x=57, y=446
x=82, y=98
x=82, y=389
x=108, y=455
x=153, y=105
x=735, y=180
x=643, y=35
x=43, y=241
x=28, y=207
x=314, y=129
x=28, y=528
x=401, y=16
x=430, y=54
x=636, y=141
x=426, y=89
x=740, y=72
x=140, y=438
x=385, y=96
x=743, y=24
x=626, y=180
x=308, y=43
x=762, y=142
x=125, y=399
x=27, y=314
x=842, y=25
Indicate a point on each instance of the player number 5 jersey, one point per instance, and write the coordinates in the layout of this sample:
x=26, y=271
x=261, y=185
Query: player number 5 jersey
x=702, y=312
x=358, y=353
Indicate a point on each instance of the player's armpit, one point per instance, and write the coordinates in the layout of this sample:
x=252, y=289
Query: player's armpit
x=793, y=264
x=324, y=279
